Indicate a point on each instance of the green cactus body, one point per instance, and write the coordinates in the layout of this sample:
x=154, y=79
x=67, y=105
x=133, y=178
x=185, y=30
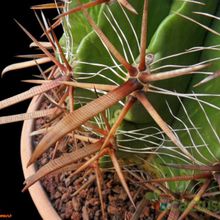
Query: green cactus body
x=98, y=53
x=91, y=49
x=201, y=119
x=77, y=27
x=172, y=37
x=165, y=27
x=197, y=111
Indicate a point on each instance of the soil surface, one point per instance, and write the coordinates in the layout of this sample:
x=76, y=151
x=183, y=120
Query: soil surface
x=85, y=204
x=76, y=197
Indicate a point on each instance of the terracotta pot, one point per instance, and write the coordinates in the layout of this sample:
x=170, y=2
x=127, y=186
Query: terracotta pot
x=38, y=194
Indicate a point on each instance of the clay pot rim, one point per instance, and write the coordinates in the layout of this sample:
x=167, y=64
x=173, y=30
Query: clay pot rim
x=38, y=194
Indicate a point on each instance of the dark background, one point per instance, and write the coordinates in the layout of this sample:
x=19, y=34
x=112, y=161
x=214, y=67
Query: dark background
x=14, y=42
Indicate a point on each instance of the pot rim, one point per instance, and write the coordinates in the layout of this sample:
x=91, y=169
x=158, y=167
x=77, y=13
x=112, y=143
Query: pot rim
x=37, y=192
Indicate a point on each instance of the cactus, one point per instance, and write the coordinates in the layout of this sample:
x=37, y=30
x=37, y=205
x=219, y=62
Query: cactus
x=134, y=74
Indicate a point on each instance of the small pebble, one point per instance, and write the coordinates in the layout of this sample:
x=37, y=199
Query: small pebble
x=75, y=204
x=68, y=210
x=57, y=195
x=75, y=216
x=123, y=195
x=44, y=161
x=112, y=210
x=58, y=204
x=61, y=189
x=86, y=204
x=65, y=196
x=85, y=214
